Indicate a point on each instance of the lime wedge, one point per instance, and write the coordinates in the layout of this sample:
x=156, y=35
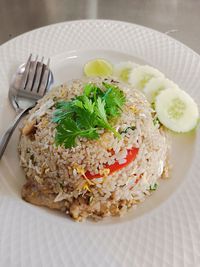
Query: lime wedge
x=98, y=67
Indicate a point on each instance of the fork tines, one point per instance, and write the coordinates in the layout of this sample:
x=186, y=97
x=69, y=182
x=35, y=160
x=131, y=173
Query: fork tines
x=35, y=77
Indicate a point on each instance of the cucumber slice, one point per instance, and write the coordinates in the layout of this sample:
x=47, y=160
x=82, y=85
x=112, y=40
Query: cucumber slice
x=155, y=86
x=122, y=70
x=98, y=67
x=176, y=110
x=141, y=75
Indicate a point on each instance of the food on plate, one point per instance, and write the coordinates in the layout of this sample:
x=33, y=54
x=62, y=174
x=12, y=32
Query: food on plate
x=98, y=67
x=98, y=146
x=141, y=75
x=155, y=86
x=92, y=148
x=122, y=70
x=176, y=110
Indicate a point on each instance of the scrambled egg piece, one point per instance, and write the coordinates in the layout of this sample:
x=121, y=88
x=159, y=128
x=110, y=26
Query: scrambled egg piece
x=86, y=187
x=105, y=172
x=80, y=170
x=134, y=109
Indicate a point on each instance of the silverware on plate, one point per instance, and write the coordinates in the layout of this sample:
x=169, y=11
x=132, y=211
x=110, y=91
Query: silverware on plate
x=31, y=81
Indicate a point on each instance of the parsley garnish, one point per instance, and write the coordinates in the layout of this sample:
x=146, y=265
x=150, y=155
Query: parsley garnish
x=156, y=121
x=126, y=130
x=153, y=187
x=84, y=115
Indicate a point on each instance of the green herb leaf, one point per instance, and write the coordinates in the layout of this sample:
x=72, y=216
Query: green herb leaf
x=63, y=109
x=85, y=119
x=102, y=117
x=100, y=110
x=88, y=104
x=126, y=130
x=153, y=187
x=78, y=103
x=88, y=89
x=68, y=131
x=114, y=99
x=156, y=121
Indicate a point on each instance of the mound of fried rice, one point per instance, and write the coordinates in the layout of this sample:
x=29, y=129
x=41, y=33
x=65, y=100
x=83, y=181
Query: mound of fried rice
x=55, y=175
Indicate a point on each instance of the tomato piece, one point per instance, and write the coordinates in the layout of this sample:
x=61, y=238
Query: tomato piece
x=131, y=155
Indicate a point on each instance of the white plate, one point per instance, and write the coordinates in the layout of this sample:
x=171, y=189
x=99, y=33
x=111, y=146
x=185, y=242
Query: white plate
x=165, y=229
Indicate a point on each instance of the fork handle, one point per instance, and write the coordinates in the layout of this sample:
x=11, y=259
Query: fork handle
x=7, y=135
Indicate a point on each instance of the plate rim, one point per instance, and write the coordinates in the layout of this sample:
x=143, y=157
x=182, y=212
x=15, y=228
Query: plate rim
x=21, y=35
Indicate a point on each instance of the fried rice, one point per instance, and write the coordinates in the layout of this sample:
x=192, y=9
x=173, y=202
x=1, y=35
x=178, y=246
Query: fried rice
x=55, y=174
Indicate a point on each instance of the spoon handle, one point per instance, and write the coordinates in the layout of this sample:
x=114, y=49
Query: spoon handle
x=7, y=135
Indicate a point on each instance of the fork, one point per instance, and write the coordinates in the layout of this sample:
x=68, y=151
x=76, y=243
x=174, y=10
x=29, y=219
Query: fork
x=30, y=83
